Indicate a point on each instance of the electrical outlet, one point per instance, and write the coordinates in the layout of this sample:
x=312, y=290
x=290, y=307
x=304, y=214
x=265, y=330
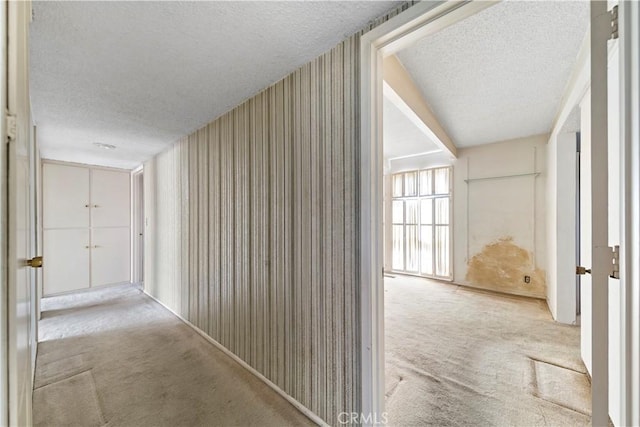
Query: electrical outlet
x=527, y=279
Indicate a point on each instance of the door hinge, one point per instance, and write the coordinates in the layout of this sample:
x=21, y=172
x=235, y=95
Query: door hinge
x=614, y=23
x=11, y=127
x=615, y=262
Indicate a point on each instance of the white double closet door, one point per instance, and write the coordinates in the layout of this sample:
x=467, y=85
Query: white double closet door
x=86, y=227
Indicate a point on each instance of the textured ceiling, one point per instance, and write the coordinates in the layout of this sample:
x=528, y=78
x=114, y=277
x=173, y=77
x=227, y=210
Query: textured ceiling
x=139, y=75
x=500, y=74
x=401, y=137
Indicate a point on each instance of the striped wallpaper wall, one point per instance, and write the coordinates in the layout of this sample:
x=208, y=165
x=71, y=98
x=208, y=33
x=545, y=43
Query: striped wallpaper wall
x=252, y=231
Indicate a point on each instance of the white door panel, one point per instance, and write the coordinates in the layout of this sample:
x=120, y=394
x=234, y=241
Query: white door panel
x=65, y=196
x=585, y=229
x=110, y=256
x=17, y=345
x=67, y=255
x=110, y=199
x=22, y=325
x=616, y=302
x=607, y=302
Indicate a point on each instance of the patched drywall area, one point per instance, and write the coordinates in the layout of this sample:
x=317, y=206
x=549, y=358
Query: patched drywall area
x=502, y=264
x=499, y=216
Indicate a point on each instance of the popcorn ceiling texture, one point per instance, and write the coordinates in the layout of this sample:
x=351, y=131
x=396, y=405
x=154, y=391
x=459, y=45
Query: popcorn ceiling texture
x=140, y=75
x=500, y=74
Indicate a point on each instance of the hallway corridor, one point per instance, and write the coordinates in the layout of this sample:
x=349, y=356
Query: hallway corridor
x=113, y=356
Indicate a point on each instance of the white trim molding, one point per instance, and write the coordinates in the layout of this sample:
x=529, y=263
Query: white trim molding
x=630, y=209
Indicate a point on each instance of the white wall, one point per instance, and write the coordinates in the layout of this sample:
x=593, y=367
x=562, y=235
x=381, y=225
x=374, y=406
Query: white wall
x=561, y=226
x=499, y=230
x=489, y=210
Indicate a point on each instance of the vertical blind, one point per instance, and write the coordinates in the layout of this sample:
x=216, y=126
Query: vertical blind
x=420, y=217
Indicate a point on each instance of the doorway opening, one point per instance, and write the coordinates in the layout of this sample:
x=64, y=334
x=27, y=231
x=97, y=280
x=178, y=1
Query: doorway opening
x=137, y=195
x=500, y=201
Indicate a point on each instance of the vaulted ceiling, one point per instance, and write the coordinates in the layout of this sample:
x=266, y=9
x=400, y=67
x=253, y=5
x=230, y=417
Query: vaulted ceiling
x=140, y=75
x=500, y=74
x=401, y=136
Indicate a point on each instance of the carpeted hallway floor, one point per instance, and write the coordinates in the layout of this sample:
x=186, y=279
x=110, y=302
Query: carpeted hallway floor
x=454, y=356
x=115, y=357
x=457, y=356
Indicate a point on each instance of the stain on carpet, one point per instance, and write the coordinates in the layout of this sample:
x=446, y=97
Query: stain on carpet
x=551, y=381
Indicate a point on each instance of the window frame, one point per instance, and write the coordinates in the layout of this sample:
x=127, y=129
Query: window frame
x=434, y=225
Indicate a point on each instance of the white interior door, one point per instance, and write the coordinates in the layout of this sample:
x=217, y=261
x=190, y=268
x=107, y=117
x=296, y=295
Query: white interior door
x=66, y=221
x=110, y=198
x=601, y=161
x=65, y=196
x=20, y=287
x=585, y=229
x=111, y=227
x=110, y=256
x=67, y=252
x=616, y=296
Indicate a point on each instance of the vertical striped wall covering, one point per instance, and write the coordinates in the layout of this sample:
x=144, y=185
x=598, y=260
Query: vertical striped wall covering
x=252, y=231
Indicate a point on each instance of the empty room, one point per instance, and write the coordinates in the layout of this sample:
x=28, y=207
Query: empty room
x=466, y=203
x=275, y=213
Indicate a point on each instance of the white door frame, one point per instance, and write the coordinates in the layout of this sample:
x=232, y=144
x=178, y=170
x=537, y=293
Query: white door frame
x=137, y=209
x=399, y=32
x=4, y=331
x=630, y=209
x=600, y=251
x=17, y=383
x=390, y=37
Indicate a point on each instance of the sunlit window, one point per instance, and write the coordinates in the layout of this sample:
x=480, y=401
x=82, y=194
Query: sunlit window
x=421, y=212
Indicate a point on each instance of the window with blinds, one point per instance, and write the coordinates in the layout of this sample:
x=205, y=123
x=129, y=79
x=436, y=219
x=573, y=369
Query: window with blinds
x=421, y=217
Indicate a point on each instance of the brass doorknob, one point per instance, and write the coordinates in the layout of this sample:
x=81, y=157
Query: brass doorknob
x=35, y=262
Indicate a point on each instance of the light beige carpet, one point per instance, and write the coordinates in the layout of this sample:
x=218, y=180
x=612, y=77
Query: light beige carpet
x=460, y=357
x=115, y=357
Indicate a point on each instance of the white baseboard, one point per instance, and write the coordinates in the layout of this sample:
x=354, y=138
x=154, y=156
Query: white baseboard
x=89, y=289
x=299, y=406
